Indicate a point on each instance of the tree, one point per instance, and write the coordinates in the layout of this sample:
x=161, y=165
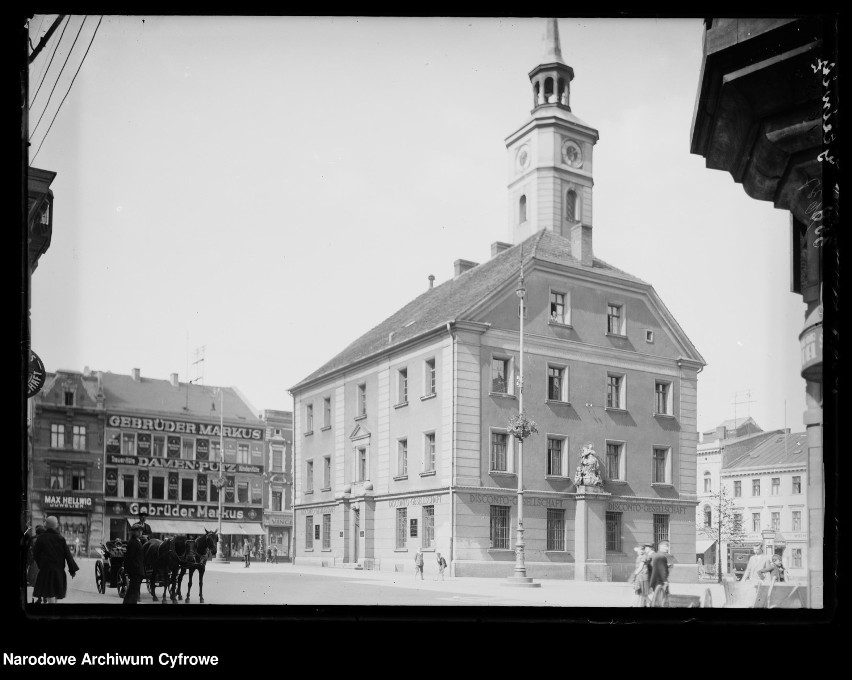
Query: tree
x=725, y=524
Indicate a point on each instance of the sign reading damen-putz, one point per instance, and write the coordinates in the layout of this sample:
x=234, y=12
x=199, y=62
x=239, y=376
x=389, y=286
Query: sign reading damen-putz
x=181, y=464
x=184, y=427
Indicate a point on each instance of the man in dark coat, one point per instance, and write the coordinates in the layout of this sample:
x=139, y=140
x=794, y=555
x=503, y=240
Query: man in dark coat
x=134, y=565
x=51, y=554
x=146, y=528
x=661, y=564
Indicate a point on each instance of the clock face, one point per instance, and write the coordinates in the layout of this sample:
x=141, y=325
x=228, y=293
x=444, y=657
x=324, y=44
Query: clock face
x=523, y=158
x=572, y=154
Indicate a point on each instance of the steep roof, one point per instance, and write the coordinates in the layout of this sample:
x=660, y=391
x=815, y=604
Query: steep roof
x=452, y=299
x=123, y=393
x=733, y=424
x=778, y=449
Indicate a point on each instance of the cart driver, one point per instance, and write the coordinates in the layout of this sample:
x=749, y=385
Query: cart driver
x=146, y=528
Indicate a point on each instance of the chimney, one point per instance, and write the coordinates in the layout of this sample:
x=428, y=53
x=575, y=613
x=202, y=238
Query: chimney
x=173, y=379
x=461, y=266
x=580, y=236
x=721, y=432
x=431, y=281
x=135, y=374
x=498, y=247
x=86, y=371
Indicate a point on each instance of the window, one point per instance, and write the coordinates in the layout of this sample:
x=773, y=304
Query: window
x=326, y=412
x=243, y=455
x=326, y=532
x=309, y=532
x=649, y=335
x=571, y=206
x=428, y=526
x=216, y=450
x=57, y=436
x=309, y=418
x=430, y=381
x=402, y=458
x=326, y=472
x=128, y=484
x=755, y=487
x=242, y=492
x=187, y=489
x=738, y=521
x=429, y=453
x=362, y=399
x=187, y=450
x=775, y=489
x=708, y=483
x=69, y=398
x=500, y=527
x=214, y=490
x=158, y=446
x=738, y=489
x=317, y=532
x=499, y=448
x=613, y=530
x=614, y=319
x=256, y=492
x=614, y=391
x=362, y=465
x=277, y=501
x=661, y=460
x=158, y=487
x=128, y=444
x=797, y=520
x=277, y=459
x=500, y=375
x=556, y=384
x=309, y=476
x=555, y=529
x=708, y=516
x=57, y=477
x=797, y=558
x=557, y=307
x=522, y=209
x=662, y=394
x=661, y=528
x=401, y=528
x=78, y=441
x=614, y=460
x=78, y=479
x=755, y=521
x=797, y=484
x=402, y=386
x=555, y=446
x=775, y=520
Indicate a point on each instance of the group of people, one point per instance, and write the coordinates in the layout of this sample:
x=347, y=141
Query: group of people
x=651, y=575
x=249, y=551
x=47, y=556
x=419, y=562
x=762, y=567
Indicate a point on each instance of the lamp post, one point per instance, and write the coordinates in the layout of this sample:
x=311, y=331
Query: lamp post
x=220, y=482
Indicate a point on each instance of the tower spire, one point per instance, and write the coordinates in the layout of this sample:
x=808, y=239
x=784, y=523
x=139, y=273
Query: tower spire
x=551, y=79
x=553, y=50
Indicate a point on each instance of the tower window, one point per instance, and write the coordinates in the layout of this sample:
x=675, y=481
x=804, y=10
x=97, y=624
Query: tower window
x=549, y=95
x=571, y=206
x=522, y=209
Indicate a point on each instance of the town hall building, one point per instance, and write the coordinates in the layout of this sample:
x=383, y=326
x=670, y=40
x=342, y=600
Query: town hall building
x=402, y=441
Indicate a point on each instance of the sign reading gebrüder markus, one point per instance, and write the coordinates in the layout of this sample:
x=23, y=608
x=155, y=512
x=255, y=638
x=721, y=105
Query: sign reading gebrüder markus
x=199, y=511
x=181, y=464
x=184, y=427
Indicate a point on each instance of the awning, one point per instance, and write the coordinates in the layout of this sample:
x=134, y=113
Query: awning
x=704, y=544
x=177, y=527
x=242, y=529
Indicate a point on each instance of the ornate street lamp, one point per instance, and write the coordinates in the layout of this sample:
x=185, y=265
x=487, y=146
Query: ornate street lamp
x=219, y=482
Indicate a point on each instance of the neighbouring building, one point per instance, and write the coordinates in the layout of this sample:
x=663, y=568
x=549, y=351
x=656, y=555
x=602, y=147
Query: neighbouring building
x=766, y=112
x=402, y=442
x=278, y=480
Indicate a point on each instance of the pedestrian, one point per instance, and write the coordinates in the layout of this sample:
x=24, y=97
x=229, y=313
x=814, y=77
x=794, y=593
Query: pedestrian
x=274, y=554
x=51, y=553
x=134, y=565
x=641, y=575
x=269, y=555
x=247, y=552
x=775, y=570
x=658, y=583
x=418, y=564
x=756, y=566
x=442, y=565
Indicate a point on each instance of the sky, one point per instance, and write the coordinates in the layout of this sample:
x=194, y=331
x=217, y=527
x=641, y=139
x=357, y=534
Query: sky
x=270, y=188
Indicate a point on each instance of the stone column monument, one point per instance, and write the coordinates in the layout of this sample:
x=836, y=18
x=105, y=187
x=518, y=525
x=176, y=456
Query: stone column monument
x=590, y=520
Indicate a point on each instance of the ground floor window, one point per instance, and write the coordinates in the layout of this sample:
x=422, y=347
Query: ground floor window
x=309, y=532
x=613, y=531
x=428, y=526
x=401, y=527
x=326, y=532
x=555, y=529
x=500, y=527
x=797, y=558
x=661, y=528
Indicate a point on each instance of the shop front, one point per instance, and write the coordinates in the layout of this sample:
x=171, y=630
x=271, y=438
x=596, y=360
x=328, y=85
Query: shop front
x=74, y=510
x=279, y=528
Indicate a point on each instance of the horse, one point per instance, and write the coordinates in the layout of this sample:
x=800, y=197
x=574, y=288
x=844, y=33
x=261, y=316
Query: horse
x=160, y=561
x=192, y=555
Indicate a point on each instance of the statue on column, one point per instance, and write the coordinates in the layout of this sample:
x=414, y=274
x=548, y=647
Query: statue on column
x=589, y=470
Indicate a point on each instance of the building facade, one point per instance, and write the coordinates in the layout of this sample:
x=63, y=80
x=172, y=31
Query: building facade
x=278, y=482
x=402, y=440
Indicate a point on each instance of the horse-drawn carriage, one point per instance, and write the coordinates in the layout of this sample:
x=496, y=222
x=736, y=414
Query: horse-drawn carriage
x=109, y=567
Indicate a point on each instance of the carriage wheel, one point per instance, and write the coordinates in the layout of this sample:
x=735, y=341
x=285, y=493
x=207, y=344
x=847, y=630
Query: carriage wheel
x=122, y=583
x=99, y=577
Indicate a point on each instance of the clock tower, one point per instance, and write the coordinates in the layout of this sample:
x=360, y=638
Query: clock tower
x=550, y=159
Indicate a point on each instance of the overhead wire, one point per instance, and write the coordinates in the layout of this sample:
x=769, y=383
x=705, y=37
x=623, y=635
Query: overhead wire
x=56, y=82
x=70, y=86
x=45, y=71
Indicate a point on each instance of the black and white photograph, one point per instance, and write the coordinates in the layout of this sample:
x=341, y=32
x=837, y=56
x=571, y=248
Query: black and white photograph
x=504, y=314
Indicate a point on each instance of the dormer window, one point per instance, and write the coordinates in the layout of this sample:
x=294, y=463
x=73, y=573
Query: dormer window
x=522, y=209
x=69, y=398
